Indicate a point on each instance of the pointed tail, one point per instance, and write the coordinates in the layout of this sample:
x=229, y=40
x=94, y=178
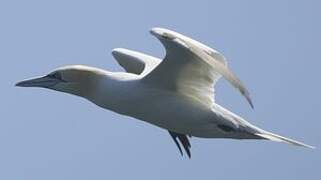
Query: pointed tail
x=278, y=138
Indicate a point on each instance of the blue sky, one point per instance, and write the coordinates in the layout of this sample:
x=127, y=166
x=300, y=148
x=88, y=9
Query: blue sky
x=273, y=46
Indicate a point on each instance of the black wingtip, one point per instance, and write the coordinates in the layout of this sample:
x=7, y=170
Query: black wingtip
x=251, y=104
x=247, y=96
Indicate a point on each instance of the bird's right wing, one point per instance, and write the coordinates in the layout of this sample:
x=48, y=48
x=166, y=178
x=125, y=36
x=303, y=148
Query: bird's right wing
x=135, y=62
x=190, y=68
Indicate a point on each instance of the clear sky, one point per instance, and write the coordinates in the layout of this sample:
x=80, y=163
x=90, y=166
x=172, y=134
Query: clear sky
x=273, y=46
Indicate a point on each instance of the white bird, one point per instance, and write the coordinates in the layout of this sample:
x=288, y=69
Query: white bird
x=176, y=93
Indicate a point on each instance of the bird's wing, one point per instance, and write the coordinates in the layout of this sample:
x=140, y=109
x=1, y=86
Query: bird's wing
x=183, y=140
x=191, y=68
x=135, y=62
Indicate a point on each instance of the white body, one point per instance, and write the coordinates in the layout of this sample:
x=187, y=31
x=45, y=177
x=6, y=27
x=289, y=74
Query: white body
x=126, y=94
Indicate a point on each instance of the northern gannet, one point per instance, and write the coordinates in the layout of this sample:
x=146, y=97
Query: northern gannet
x=176, y=93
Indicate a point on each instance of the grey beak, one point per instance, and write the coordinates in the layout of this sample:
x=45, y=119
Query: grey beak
x=45, y=82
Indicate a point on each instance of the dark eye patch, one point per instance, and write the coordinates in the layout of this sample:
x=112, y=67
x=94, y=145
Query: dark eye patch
x=55, y=75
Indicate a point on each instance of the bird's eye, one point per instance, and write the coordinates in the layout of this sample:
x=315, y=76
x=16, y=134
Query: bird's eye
x=55, y=76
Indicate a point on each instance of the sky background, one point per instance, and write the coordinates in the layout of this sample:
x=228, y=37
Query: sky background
x=273, y=46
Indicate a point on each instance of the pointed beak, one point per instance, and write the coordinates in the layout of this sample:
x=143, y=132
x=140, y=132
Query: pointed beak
x=45, y=82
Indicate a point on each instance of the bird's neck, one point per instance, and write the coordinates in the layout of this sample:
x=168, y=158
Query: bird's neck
x=112, y=90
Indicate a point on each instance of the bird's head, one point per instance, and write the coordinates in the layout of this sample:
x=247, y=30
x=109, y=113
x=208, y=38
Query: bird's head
x=75, y=79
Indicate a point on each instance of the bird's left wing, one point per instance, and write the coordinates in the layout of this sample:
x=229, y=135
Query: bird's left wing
x=135, y=62
x=191, y=68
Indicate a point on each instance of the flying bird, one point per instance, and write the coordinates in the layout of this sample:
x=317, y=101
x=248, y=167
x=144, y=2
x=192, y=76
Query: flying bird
x=176, y=93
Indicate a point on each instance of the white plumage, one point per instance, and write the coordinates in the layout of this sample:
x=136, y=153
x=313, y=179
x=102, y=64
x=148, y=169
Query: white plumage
x=176, y=93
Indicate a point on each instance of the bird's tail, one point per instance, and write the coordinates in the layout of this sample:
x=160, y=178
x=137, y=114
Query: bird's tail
x=278, y=138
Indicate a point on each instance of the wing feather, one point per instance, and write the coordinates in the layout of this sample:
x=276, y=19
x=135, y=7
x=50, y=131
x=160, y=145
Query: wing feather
x=191, y=68
x=135, y=62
